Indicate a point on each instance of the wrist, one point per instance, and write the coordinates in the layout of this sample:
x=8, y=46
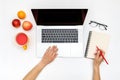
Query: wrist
x=96, y=68
x=41, y=64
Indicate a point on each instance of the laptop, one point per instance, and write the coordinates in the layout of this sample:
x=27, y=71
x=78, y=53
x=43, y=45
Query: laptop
x=60, y=27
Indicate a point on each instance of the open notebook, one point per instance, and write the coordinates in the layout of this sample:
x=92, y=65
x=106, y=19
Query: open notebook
x=96, y=39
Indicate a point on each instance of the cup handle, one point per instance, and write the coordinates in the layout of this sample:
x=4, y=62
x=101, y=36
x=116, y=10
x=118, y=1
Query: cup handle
x=24, y=47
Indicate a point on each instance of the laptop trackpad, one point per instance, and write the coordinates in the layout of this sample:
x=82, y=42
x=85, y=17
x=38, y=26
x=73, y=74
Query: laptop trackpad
x=76, y=50
x=64, y=50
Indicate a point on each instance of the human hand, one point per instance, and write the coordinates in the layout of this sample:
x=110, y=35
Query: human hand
x=50, y=55
x=98, y=58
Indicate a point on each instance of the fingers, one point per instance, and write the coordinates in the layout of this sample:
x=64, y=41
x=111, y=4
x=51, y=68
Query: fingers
x=102, y=53
x=98, y=54
x=54, y=56
x=47, y=51
x=99, y=51
x=55, y=49
x=52, y=51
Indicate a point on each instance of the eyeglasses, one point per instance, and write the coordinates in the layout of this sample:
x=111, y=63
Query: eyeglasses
x=95, y=24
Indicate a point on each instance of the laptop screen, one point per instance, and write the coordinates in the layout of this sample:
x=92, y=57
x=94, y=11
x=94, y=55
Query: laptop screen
x=59, y=16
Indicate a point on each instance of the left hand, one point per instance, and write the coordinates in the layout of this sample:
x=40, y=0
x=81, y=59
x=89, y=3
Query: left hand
x=50, y=55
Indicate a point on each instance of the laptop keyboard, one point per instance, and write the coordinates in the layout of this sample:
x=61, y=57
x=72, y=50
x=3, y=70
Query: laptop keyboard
x=59, y=36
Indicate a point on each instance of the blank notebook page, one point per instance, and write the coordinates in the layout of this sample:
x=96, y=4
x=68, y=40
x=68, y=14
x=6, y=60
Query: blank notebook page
x=96, y=39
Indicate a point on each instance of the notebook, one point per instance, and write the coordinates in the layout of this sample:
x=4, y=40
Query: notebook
x=99, y=39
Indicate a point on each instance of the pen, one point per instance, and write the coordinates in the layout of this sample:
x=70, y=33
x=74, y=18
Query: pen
x=101, y=54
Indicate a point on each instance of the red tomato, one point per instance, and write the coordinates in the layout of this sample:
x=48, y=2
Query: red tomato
x=16, y=23
x=27, y=25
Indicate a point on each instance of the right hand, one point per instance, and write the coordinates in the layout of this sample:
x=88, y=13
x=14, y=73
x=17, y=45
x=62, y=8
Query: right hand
x=98, y=59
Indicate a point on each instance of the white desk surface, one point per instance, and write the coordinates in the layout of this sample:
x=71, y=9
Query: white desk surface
x=15, y=62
